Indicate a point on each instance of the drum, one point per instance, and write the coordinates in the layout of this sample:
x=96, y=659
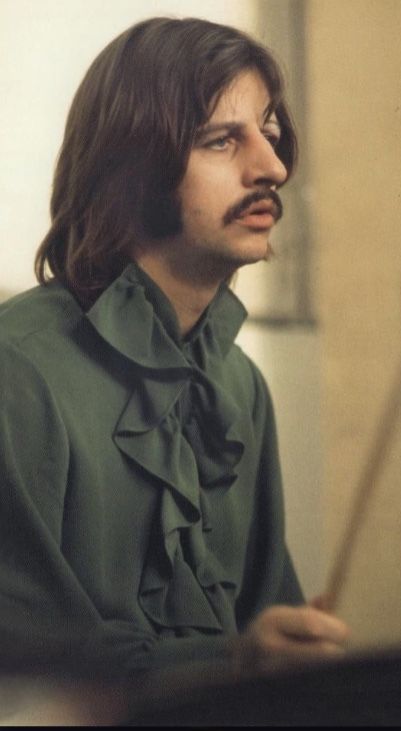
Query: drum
x=361, y=690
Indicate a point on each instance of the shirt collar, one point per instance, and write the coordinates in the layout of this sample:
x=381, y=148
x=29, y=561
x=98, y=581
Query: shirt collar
x=135, y=317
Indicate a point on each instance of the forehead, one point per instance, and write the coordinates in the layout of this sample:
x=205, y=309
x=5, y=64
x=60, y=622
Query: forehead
x=246, y=97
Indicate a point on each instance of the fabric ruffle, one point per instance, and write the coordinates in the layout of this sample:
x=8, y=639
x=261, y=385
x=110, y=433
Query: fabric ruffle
x=182, y=428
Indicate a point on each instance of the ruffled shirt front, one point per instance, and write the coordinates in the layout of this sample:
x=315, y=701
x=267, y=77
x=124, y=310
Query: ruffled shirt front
x=181, y=426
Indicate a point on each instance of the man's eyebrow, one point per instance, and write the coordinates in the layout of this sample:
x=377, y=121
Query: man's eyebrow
x=232, y=127
x=208, y=129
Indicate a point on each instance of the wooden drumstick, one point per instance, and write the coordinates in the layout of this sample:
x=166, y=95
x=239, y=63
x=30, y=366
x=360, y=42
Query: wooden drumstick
x=363, y=493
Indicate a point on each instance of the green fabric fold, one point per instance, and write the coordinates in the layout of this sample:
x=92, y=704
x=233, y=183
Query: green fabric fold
x=181, y=427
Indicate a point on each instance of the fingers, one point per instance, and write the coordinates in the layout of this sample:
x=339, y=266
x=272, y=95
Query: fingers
x=299, y=632
x=283, y=646
x=307, y=623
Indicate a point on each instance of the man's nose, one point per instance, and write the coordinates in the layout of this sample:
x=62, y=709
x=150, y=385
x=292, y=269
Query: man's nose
x=262, y=164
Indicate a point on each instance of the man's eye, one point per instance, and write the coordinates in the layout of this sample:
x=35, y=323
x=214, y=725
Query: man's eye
x=271, y=137
x=219, y=143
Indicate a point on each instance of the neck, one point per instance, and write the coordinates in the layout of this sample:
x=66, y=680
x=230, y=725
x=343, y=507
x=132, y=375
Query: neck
x=188, y=295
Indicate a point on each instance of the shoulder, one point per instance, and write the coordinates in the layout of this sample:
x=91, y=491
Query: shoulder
x=44, y=309
x=37, y=328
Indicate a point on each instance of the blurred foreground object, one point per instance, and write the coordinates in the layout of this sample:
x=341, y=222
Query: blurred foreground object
x=363, y=689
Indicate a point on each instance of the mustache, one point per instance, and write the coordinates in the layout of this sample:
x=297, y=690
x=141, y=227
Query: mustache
x=262, y=195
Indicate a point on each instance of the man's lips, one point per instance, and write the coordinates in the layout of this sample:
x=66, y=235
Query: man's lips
x=258, y=210
x=261, y=215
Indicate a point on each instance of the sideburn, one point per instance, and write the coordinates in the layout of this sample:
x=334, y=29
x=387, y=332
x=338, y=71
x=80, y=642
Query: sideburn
x=161, y=215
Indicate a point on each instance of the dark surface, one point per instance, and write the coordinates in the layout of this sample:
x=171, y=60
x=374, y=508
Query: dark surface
x=358, y=691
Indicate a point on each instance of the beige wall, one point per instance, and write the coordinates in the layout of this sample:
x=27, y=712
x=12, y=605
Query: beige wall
x=354, y=111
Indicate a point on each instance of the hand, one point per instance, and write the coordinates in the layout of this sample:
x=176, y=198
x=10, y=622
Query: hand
x=292, y=633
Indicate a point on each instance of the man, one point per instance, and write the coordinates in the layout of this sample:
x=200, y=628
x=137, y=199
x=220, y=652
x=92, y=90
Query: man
x=142, y=518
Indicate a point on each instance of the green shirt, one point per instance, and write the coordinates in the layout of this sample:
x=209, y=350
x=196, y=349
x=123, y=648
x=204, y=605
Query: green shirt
x=141, y=516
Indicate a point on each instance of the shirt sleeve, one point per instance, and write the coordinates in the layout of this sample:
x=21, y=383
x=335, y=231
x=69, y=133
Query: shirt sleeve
x=269, y=576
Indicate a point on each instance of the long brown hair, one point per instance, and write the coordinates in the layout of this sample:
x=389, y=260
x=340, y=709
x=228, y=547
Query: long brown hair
x=128, y=136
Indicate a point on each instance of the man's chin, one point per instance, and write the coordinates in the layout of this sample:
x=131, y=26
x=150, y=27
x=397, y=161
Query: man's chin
x=262, y=253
